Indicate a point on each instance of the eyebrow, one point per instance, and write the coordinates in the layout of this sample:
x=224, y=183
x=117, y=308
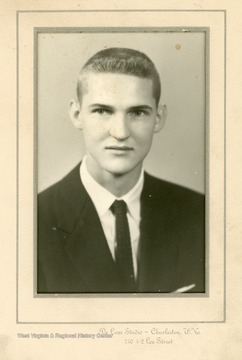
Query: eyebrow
x=132, y=108
x=103, y=106
x=141, y=107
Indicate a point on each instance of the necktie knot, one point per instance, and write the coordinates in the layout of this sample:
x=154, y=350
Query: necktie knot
x=119, y=207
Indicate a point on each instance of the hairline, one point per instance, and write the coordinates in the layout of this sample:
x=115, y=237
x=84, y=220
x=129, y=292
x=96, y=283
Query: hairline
x=88, y=71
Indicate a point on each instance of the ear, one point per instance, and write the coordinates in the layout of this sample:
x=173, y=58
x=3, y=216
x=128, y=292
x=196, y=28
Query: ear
x=160, y=118
x=74, y=113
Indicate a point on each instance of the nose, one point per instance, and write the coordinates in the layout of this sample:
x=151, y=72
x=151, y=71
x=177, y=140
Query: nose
x=119, y=127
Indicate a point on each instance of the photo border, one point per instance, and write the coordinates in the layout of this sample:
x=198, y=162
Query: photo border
x=36, y=30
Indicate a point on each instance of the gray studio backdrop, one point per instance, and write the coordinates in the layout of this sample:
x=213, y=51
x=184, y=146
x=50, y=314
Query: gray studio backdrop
x=178, y=151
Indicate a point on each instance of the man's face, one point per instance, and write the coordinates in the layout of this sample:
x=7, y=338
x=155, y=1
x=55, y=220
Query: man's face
x=118, y=116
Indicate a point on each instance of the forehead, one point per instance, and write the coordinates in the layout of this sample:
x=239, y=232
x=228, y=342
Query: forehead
x=116, y=87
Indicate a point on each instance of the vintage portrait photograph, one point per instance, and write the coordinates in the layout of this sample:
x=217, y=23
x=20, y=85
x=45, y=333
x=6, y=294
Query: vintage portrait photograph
x=120, y=160
x=121, y=193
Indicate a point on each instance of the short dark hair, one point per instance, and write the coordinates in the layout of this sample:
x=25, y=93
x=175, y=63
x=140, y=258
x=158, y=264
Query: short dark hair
x=122, y=61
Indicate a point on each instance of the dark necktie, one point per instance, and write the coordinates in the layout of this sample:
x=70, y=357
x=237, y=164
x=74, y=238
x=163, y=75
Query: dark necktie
x=123, y=254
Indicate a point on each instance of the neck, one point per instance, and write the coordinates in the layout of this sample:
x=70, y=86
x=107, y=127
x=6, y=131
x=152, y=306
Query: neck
x=117, y=184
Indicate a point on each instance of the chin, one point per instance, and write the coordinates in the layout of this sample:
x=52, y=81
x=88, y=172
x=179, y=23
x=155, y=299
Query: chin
x=120, y=169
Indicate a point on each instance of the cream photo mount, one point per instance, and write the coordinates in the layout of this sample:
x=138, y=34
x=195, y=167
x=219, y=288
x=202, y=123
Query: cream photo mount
x=80, y=308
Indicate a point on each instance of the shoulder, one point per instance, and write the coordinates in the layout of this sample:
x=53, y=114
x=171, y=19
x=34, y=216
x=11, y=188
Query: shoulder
x=174, y=201
x=63, y=197
x=69, y=183
x=161, y=189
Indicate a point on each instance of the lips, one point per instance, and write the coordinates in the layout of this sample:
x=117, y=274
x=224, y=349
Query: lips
x=119, y=148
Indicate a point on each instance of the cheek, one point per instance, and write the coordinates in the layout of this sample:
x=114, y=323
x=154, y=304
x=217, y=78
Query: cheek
x=144, y=136
x=92, y=132
x=96, y=128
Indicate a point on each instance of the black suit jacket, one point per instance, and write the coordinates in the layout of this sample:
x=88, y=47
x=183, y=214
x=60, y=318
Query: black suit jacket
x=73, y=255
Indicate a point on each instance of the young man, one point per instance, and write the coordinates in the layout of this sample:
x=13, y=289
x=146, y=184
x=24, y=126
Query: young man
x=108, y=226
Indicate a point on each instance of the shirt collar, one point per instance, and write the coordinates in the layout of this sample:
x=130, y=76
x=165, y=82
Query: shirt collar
x=103, y=199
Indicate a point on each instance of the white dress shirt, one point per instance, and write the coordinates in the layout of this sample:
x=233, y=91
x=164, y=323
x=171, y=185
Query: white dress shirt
x=103, y=199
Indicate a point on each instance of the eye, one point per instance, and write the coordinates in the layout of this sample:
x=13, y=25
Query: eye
x=138, y=113
x=101, y=111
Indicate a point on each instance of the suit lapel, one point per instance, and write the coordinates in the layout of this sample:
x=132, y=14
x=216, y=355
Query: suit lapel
x=86, y=245
x=157, y=255
x=88, y=249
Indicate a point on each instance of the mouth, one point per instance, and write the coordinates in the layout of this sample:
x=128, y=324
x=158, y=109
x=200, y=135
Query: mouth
x=119, y=148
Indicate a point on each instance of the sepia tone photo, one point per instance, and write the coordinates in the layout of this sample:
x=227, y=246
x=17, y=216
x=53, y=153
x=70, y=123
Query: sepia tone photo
x=116, y=214
x=79, y=81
